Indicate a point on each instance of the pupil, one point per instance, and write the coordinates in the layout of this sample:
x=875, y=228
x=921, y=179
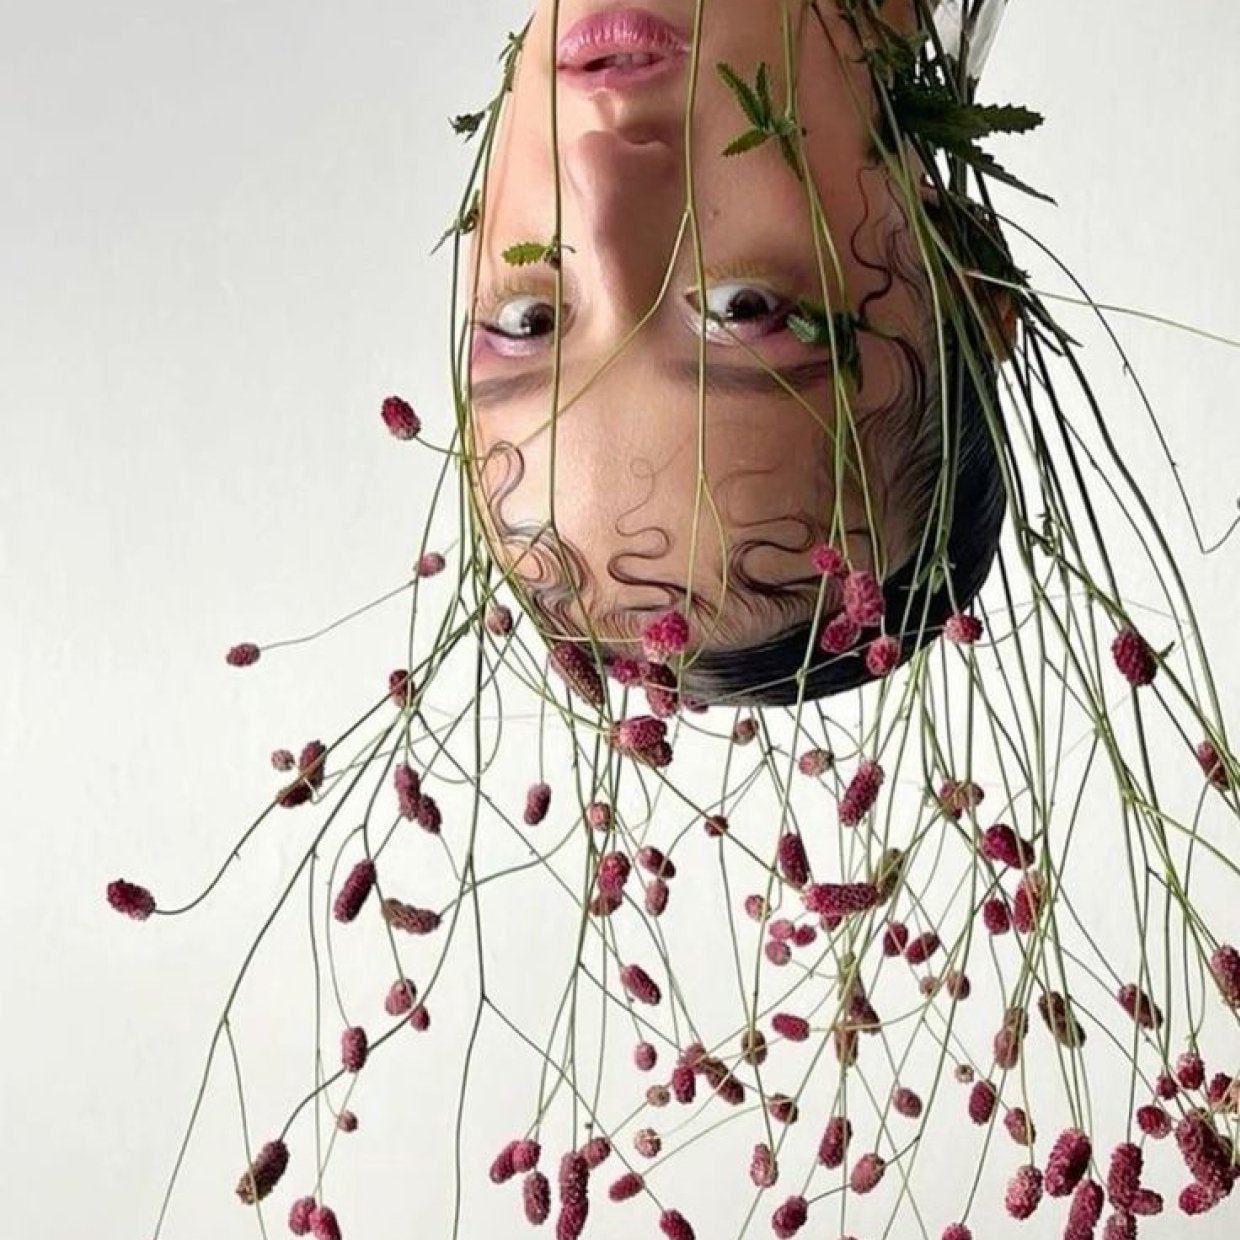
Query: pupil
x=748, y=305
x=538, y=321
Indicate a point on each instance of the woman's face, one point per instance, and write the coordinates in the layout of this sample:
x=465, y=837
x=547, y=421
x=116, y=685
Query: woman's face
x=648, y=489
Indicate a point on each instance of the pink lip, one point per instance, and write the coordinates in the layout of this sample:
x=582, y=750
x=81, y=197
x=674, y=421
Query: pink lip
x=618, y=32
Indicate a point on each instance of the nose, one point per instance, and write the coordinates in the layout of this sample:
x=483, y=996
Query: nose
x=625, y=189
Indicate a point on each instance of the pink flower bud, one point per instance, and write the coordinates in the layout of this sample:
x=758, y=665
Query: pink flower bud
x=815, y=762
x=354, y=1047
x=1206, y=1154
x=243, y=655
x=420, y=1018
x=525, y=1154
x=793, y=1028
x=624, y=671
x=863, y=598
x=498, y=620
x=861, y=793
x=426, y=814
x=654, y=862
x=1024, y=1191
x=755, y=907
x=1134, y=658
x=835, y=1139
x=882, y=656
x=777, y=953
x=537, y=803
x=684, y=1084
x=715, y=825
x=264, y=1173
x=922, y=947
x=406, y=917
x=793, y=863
x=346, y=1121
x=323, y=1224
x=354, y=890
x=647, y=1143
x=763, y=1170
x=906, y=1102
x=299, y=1215
x=1154, y=1121
x=645, y=1056
x=408, y=785
x=982, y=1098
x=644, y=738
x=1225, y=968
x=1196, y=1198
x=995, y=916
x=598, y=815
x=664, y=635
x=1067, y=1162
x=398, y=416
x=866, y=1173
x=675, y=1226
x=1212, y=766
x=962, y=629
x=790, y=1217
x=1028, y=902
x=430, y=564
x=1019, y=1126
x=571, y=1220
x=1001, y=844
x=282, y=760
x=628, y=1185
x=503, y=1168
x=782, y=1109
x=895, y=938
x=1165, y=1086
x=1085, y=1210
x=839, y=634
x=130, y=899
x=840, y=899
x=576, y=666
x=613, y=873
x=744, y=731
x=638, y=983
x=536, y=1198
x=828, y=560
x=1139, y=1006
x=1121, y=1225
x=1190, y=1070
x=401, y=688
x=956, y=1231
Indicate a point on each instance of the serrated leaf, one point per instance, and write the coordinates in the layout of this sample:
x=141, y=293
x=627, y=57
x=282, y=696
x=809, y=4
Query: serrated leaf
x=746, y=142
x=811, y=324
x=762, y=85
x=467, y=123
x=745, y=96
x=524, y=253
x=985, y=163
x=934, y=114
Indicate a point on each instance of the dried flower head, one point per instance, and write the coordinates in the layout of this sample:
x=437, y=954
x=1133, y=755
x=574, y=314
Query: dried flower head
x=264, y=1173
x=497, y=620
x=354, y=890
x=647, y=1142
x=866, y=1173
x=282, y=760
x=638, y=983
x=429, y=564
x=1024, y=1192
x=1134, y=658
x=793, y=1028
x=1139, y=1006
x=815, y=762
x=598, y=815
x=790, y=1217
x=957, y=797
x=675, y=1226
x=628, y=1185
x=537, y=803
x=130, y=899
x=1212, y=766
x=406, y=917
x=882, y=656
x=323, y=1223
x=243, y=655
x=299, y=1215
x=346, y=1121
x=763, y=1169
x=354, y=1048
x=398, y=416
x=861, y=793
x=536, y=1198
x=1225, y=968
x=576, y=666
x=835, y=1138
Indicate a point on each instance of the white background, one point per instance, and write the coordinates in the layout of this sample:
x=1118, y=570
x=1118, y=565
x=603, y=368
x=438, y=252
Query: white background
x=214, y=232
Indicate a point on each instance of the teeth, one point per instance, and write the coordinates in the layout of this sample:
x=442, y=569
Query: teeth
x=622, y=60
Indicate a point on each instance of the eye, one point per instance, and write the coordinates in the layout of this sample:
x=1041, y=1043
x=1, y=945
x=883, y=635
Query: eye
x=523, y=317
x=736, y=309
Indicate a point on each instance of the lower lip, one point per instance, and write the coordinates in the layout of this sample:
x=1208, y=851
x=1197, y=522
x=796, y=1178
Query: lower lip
x=619, y=32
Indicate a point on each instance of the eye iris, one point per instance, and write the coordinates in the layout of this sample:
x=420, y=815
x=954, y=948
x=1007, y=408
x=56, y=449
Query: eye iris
x=526, y=317
x=747, y=304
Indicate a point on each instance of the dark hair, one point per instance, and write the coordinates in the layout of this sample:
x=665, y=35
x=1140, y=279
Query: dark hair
x=917, y=598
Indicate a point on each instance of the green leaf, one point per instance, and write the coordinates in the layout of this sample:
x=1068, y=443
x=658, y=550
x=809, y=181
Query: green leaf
x=463, y=224
x=933, y=113
x=811, y=324
x=467, y=123
x=524, y=253
x=983, y=162
x=762, y=84
x=746, y=142
x=745, y=96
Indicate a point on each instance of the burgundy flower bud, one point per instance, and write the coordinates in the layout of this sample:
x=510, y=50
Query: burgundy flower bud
x=647, y=1142
x=408, y=786
x=962, y=629
x=658, y=1096
x=243, y=655
x=840, y=899
x=803, y=936
x=323, y=1224
x=516, y=1157
x=664, y=635
x=406, y=917
x=299, y=1215
x=1225, y=968
x=426, y=814
x=574, y=1176
x=839, y=634
x=1067, y=1162
x=725, y=1085
x=401, y=688
x=777, y=952
x=793, y=863
x=596, y=1151
x=790, y=1217
x=659, y=686
x=576, y=666
x=861, y=793
x=638, y=983
x=420, y=1018
x=835, y=1139
x=1212, y=766
x=828, y=560
x=1139, y=1006
x=1056, y=1011
x=995, y=916
x=1190, y=1070
x=1134, y=658
x=863, y=597
x=655, y=862
x=498, y=620
x=398, y=416
x=264, y=1173
x=815, y=762
x=684, y=1084
x=782, y=1109
x=571, y=1220
x=1147, y=1202
x=675, y=1226
x=922, y=948
x=1206, y=1154
x=1120, y=1225
x=1124, y=1174
x=1165, y=1086
x=956, y=1231
x=866, y=1173
x=354, y=890
x=1024, y=1191
x=882, y=656
x=536, y=1198
x=354, y=1047
x=793, y=1028
x=1085, y=1211
x=755, y=907
x=645, y=1056
x=346, y=1121
x=1220, y=1091
x=715, y=825
x=1002, y=845
x=1010, y=1038
x=1196, y=1198
x=1019, y=1126
x=982, y=1098
x=744, y=731
x=598, y=815
x=130, y=899
x=1028, y=902
x=753, y=1047
x=283, y=760
x=763, y=1170
x=642, y=737
x=957, y=985
x=1154, y=1121
x=537, y=803
x=430, y=564
x=906, y=1101
x=895, y=938
x=628, y=1185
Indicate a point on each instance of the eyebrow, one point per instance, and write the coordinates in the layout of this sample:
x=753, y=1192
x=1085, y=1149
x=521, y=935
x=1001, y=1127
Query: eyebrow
x=719, y=380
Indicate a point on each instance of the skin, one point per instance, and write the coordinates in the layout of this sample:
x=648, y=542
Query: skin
x=645, y=483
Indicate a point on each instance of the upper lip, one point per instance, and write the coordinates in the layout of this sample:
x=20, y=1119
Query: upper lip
x=619, y=32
